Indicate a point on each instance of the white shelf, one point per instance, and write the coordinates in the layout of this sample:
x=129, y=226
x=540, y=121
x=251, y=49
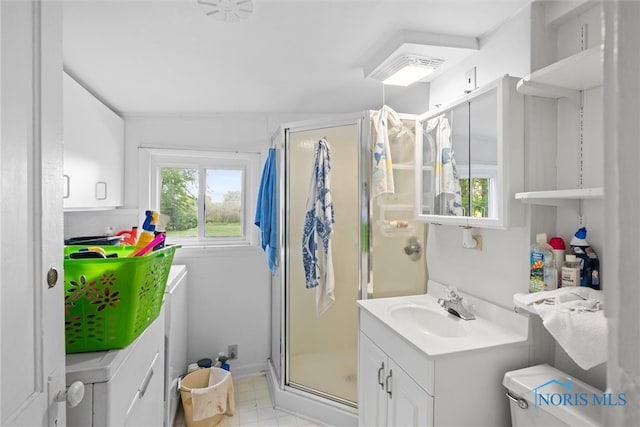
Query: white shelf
x=559, y=197
x=566, y=77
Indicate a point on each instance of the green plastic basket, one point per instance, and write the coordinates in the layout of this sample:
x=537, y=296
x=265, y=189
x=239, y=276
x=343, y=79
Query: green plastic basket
x=109, y=302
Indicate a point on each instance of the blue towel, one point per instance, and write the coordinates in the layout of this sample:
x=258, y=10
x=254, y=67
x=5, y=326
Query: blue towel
x=267, y=211
x=318, y=224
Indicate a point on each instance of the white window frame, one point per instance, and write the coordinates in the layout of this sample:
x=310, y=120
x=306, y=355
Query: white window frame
x=202, y=160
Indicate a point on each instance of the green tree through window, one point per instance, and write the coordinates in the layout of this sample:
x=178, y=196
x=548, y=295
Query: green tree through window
x=222, y=197
x=178, y=200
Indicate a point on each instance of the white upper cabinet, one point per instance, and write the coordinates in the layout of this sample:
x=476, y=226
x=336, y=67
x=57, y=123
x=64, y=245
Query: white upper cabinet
x=93, y=151
x=471, y=157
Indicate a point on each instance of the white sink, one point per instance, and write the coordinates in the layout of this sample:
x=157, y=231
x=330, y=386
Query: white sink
x=420, y=320
x=438, y=323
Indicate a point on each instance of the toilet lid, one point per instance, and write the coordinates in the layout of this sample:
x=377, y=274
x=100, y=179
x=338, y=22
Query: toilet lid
x=572, y=400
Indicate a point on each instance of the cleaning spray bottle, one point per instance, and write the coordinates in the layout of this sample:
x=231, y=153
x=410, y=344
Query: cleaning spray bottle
x=590, y=265
x=541, y=276
x=129, y=237
x=147, y=235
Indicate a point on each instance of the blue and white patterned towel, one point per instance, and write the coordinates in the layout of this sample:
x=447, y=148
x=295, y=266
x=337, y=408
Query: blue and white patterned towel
x=318, y=227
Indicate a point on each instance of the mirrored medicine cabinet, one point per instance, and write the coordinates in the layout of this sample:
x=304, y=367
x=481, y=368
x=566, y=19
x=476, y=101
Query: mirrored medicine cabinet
x=471, y=157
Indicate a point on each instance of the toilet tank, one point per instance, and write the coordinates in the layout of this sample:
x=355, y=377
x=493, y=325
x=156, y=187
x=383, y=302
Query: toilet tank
x=544, y=396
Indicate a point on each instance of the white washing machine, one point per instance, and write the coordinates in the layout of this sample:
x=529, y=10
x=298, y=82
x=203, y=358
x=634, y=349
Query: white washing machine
x=122, y=387
x=175, y=303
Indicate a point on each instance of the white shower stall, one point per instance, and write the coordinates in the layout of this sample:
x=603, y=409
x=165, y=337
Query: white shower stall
x=378, y=250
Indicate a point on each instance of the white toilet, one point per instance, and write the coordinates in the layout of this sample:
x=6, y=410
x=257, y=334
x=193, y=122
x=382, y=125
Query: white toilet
x=544, y=396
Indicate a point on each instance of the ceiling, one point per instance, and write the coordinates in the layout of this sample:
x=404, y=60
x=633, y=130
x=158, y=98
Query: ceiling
x=306, y=56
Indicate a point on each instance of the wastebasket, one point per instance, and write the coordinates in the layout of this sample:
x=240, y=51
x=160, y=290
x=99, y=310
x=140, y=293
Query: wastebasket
x=214, y=395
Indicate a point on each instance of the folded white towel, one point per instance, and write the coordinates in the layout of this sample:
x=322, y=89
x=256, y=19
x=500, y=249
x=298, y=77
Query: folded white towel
x=217, y=398
x=574, y=317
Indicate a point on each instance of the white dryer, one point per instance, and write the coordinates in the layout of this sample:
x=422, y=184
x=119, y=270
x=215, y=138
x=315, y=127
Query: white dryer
x=175, y=303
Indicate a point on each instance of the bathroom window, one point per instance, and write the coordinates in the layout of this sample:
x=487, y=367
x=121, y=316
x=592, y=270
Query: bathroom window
x=204, y=198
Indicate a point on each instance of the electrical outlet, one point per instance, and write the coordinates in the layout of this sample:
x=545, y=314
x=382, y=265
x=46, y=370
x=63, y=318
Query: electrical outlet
x=478, y=239
x=232, y=351
x=470, y=80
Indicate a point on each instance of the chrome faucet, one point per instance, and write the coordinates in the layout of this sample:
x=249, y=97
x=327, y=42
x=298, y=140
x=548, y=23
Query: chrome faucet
x=454, y=305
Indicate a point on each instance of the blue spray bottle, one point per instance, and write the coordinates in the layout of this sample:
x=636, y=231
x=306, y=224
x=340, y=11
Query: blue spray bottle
x=589, y=263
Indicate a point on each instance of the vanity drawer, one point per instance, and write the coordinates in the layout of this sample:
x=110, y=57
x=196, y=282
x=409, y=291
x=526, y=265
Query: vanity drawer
x=413, y=361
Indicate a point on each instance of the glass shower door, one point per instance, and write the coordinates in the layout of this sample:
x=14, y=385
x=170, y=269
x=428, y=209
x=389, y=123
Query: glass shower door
x=398, y=264
x=321, y=350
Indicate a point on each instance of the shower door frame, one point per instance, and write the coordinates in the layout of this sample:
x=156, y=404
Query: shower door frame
x=281, y=140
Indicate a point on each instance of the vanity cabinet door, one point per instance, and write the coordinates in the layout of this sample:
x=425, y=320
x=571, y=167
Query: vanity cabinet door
x=408, y=403
x=387, y=395
x=372, y=372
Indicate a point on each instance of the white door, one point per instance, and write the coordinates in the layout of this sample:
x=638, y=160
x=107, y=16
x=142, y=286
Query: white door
x=373, y=367
x=31, y=313
x=409, y=405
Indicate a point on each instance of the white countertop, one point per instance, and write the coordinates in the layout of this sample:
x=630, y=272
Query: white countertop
x=493, y=325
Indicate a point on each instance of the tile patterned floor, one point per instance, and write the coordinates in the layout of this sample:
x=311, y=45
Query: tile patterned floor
x=254, y=408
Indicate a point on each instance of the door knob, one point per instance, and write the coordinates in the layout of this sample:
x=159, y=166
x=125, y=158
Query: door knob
x=52, y=277
x=72, y=395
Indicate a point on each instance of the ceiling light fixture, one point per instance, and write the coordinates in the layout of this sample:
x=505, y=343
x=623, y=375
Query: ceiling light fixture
x=227, y=10
x=406, y=69
x=412, y=56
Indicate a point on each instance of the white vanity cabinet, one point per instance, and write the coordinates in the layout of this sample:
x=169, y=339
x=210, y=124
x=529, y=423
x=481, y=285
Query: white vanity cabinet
x=93, y=150
x=470, y=154
x=122, y=387
x=449, y=376
x=387, y=394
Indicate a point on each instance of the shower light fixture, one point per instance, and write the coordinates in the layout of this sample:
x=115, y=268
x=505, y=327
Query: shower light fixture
x=227, y=10
x=406, y=69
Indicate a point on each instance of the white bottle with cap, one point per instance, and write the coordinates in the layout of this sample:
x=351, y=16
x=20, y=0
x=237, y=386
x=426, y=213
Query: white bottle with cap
x=571, y=271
